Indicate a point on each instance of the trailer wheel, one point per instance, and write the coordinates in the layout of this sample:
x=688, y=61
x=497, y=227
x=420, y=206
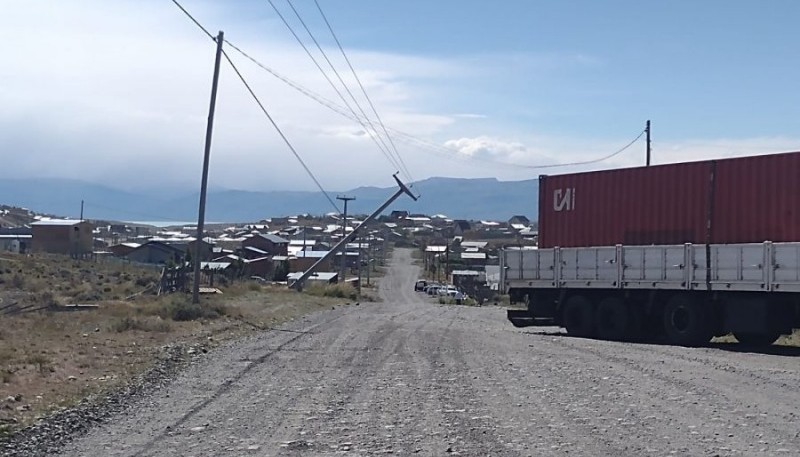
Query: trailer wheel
x=579, y=316
x=757, y=339
x=685, y=322
x=612, y=319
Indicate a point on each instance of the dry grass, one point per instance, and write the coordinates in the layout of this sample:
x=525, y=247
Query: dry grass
x=53, y=359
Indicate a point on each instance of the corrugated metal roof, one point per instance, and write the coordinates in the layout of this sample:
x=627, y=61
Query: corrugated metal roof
x=466, y=273
x=435, y=248
x=474, y=244
x=318, y=276
x=214, y=265
x=473, y=255
x=53, y=222
x=273, y=238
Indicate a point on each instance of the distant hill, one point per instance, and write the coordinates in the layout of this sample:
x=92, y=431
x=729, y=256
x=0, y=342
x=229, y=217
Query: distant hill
x=485, y=198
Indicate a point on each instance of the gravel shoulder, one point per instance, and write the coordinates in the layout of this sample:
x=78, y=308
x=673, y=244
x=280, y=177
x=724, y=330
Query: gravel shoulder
x=408, y=376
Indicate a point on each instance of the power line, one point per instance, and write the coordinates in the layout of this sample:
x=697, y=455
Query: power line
x=263, y=109
x=385, y=152
x=404, y=136
x=363, y=90
x=280, y=132
x=189, y=15
x=398, y=160
x=419, y=142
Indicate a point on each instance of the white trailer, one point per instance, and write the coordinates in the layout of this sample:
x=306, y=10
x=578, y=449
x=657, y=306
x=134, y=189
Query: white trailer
x=687, y=293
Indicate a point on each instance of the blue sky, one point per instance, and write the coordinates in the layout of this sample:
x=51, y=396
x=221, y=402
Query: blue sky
x=120, y=88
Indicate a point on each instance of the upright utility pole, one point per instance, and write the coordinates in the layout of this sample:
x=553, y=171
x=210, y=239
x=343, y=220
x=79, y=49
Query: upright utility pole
x=360, y=239
x=647, y=129
x=201, y=214
x=81, y=210
x=369, y=256
x=343, y=266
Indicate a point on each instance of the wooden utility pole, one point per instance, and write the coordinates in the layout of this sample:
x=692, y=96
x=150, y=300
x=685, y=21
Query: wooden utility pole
x=369, y=256
x=647, y=129
x=359, y=240
x=343, y=266
x=201, y=214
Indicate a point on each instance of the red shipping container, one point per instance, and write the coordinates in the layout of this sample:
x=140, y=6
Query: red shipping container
x=739, y=200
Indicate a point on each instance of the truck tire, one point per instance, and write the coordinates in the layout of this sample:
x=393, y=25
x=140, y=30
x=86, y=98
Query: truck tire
x=685, y=322
x=579, y=316
x=612, y=319
x=757, y=339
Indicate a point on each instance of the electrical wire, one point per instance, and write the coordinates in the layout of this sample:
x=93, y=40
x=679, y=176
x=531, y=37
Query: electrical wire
x=377, y=139
x=280, y=132
x=398, y=162
x=406, y=137
x=263, y=109
x=361, y=85
x=189, y=15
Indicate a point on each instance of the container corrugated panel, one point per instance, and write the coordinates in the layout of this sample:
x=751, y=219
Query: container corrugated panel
x=749, y=200
x=757, y=199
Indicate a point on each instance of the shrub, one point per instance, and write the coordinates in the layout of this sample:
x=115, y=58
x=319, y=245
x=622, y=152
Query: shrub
x=179, y=309
x=128, y=323
x=41, y=362
x=334, y=290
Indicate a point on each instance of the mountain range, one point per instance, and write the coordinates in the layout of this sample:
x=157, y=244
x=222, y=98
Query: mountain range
x=458, y=198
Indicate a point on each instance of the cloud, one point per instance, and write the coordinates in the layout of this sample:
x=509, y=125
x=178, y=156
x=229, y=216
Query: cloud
x=117, y=93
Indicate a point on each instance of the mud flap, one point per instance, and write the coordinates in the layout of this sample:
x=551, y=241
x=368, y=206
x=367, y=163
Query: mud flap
x=521, y=318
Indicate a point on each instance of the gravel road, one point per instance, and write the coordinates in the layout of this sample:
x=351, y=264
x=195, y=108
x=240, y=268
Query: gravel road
x=411, y=377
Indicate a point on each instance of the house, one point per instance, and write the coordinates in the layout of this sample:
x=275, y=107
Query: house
x=272, y=244
x=321, y=278
x=518, y=219
x=16, y=240
x=398, y=214
x=305, y=259
x=460, y=227
x=263, y=267
x=156, y=252
x=68, y=237
x=473, y=259
x=123, y=249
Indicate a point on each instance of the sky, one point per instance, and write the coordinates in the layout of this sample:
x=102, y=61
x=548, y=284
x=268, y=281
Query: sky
x=117, y=92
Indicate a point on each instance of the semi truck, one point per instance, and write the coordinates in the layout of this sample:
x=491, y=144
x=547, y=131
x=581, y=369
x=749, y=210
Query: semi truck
x=683, y=252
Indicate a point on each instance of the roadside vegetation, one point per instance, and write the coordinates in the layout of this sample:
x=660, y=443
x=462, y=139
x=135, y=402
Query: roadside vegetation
x=53, y=355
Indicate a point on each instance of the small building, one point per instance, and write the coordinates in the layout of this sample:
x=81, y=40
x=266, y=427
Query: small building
x=156, y=252
x=271, y=244
x=122, y=249
x=263, y=267
x=305, y=259
x=461, y=227
x=68, y=237
x=519, y=219
x=17, y=240
x=398, y=214
x=320, y=278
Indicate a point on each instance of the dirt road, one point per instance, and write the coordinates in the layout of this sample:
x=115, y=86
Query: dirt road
x=411, y=377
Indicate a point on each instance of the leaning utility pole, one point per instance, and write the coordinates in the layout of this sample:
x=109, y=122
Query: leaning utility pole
x=647, y=129
x=201, y=214
x=343, y=267
x=298, y=284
